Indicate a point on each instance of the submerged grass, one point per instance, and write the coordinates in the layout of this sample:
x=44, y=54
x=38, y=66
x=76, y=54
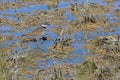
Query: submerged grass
x=105, y=54
x=3, y=67
x=103, y=63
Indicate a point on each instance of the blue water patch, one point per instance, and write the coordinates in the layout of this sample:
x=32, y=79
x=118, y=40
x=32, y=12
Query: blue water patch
x=12, y=18
x=32, y=45
x=40, y=7
x=6, y=33
x=1, y=16
x=5, y=28
x=63, y=5
x=101, y=32
x=78, y=36
x=77, y=1
x=116, y=31
x=110, y=17
x=116, y=4
x=7, y=0
x=49, y=63
x=16, y=33
x=40, y=64
x=71, y=18
x=32, y=8
x=9, y=11
x=101, y=2
x=74, y=60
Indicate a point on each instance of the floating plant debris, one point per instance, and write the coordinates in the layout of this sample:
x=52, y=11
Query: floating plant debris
x=30, y=40
x=70, y=31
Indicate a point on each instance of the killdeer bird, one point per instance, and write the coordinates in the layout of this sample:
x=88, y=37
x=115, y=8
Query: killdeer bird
x=37, y=32
x=40, y=30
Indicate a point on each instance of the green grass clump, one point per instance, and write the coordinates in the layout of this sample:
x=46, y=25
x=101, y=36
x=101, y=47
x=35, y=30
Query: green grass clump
x=3, y=66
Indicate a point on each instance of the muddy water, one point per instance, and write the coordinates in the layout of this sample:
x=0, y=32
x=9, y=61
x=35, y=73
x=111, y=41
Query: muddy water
x=20, y=19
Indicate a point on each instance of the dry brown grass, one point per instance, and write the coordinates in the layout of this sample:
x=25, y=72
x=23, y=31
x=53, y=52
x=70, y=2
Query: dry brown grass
x=102, y=64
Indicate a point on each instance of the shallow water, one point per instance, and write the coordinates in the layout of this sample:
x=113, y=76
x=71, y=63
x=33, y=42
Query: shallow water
x=78, y=40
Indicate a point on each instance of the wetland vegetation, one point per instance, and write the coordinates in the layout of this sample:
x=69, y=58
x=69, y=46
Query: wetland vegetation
x=59, y=40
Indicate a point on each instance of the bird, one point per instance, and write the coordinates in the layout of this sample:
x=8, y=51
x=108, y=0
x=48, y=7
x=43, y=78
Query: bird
x=40, y=30
x=37, y=32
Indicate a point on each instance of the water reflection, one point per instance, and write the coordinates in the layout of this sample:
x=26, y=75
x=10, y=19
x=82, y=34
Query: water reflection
x=66, y=16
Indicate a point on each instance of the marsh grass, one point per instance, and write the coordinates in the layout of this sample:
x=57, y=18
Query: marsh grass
x=106, y=60
x=103, y=62
x=3, y=67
